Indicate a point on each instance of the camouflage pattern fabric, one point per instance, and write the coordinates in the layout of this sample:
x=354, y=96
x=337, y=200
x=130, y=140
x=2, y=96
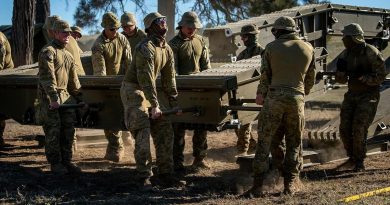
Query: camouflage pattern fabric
x=58, y=82
x=244, y=137
x=137, y=91
x=75, y=50
x=364, y=70
x=5, y=53
x=135, y=39
x=111, y=57
x=284, y=102
x=191, y=56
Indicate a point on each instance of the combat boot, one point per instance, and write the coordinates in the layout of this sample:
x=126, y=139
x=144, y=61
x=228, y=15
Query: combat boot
x=168, y=180
x=114, y=155
x=143, y=184
x=292, y=186
x=257, y=188
x=199, y=164
x=72, y=168
x=58, y=169
x=359, y=166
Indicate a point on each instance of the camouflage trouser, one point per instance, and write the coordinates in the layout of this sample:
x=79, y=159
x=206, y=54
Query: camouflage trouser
x=199, y=145
x=59, y=135
x=244, y=137
x=357, y=113
x=114, y=138
x=141, y=127
x=282, y=113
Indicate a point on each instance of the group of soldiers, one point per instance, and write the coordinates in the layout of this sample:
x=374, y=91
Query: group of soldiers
x=287, y=75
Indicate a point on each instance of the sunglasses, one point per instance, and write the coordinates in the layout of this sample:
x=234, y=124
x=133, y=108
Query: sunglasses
x=160, y=21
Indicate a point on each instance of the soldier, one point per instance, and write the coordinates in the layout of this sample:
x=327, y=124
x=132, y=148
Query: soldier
x=153, y=56
x=5, y=63
x=76, y=32
x=58, y=84
x=287, y=75
x=253, y=48
x=362, y=66
x=111, y=55
x=72, y=47
x=133, y=34
x=191, y=56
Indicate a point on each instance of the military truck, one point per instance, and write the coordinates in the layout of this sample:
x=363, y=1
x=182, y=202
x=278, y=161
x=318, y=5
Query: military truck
x=222, y=97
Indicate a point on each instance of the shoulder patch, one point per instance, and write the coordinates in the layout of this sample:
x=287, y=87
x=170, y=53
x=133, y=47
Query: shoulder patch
x=145, y=49
x=47, y=54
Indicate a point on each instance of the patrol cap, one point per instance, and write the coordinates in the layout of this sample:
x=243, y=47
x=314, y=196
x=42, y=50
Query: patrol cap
x=50, y=21
x=77, y=30
x=249, y=29
x=285, y=23
x=148, y=20
x=110, y=21
x=128, y=19
x=190, y=19
x=61, y=26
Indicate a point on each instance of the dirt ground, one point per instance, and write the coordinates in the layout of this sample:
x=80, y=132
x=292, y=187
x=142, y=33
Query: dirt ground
x=25, y=177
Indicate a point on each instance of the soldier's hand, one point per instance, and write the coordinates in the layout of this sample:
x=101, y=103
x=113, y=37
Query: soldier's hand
x=156, y=113
x=259, y=99
x=54, y=105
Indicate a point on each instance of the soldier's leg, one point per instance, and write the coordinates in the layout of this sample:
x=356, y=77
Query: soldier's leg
x=278, y=149
x=114, y=151
x=363, y=117
x=294, y=123
x=142, y=154
x=243, y=137
x=178, y=147
x=346, y=119
x=2, y=128
x=162, y=134
x=199, y=147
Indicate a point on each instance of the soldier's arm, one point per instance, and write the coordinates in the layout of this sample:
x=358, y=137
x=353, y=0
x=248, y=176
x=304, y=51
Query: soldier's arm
x=46, y=75
x=168, y=80
x=8, y=63
x=126, y=55
x=144, y=59
x=341, y=69
x=310, y=76
x=204, y=60
x=265, y=77
x=378, y=72
x=173, y=44
x=74, y=83
x=98, y=62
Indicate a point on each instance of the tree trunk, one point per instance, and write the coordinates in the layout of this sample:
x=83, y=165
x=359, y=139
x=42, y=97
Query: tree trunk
x=42, y=11
x=23, y=18
x=167, y=8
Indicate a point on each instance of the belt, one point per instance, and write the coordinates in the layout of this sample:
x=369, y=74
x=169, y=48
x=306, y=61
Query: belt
x=287, y=91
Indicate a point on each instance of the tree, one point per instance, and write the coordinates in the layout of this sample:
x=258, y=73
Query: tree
x=42, y=11
x=23, y=19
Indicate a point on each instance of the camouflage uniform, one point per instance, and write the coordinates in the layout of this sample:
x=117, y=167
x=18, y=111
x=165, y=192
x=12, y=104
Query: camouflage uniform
x=363, y=68
x=244, y=133
x=5, y=63
x=139, y=35
x=58, y=82
x=287, y=74
x=111, y=57
x=72, y=47
x=191, y=56
x=139, y=89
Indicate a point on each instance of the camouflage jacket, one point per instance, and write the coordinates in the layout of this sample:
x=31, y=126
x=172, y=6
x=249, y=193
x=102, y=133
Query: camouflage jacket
x=135, y=39
x=150, y=60
x=250, y=51
x=5, y=53
x=287, y=62
x=363, y=66
x=111, y=57
x=73, y=49
x=191, y=55
x=57, y=72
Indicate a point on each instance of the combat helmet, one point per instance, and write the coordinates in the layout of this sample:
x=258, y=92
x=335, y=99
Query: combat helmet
x=128, y=19
x=77, y=30
x=61, y=26
x=148, y=20
x=249, y=29
x=352, y=29
x=190, y=19
x=110, y=21
x=285, y=23
x=49, y=22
